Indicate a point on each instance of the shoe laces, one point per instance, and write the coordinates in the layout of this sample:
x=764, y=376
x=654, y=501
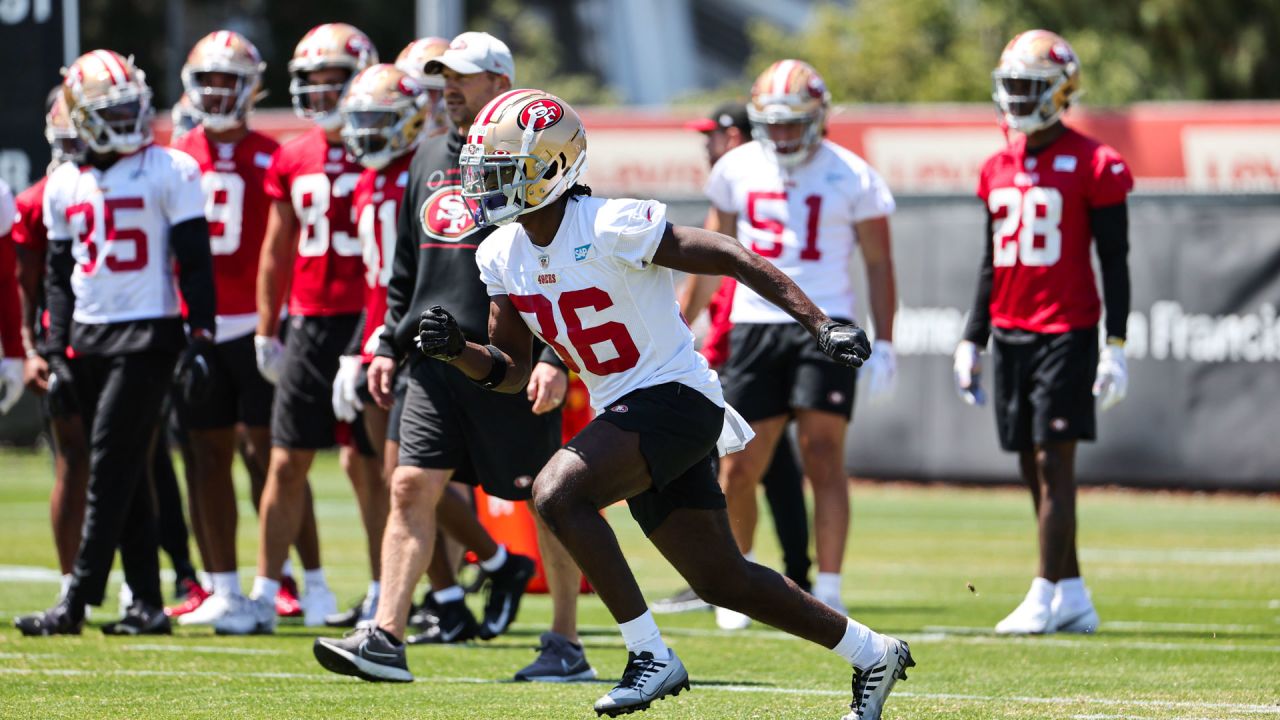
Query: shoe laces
x=639, y=669
x=861, y=681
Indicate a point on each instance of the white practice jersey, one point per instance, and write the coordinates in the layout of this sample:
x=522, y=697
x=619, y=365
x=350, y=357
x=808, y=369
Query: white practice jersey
x=8, y=209
x=801, y=220
x=118, y=222
x=594, y=296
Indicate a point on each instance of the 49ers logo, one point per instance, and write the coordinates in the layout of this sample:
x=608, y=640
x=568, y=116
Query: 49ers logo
x=444, y=216
x=540, y=114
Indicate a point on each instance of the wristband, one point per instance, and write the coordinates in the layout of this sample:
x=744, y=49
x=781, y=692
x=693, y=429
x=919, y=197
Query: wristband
x=497, y=372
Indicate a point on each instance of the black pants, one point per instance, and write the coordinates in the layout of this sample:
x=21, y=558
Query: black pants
x=120, y=398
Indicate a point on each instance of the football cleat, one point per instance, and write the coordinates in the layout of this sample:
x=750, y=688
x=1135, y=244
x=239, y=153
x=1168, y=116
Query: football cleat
x=318, y=604
x=287, y=604
x=57, y=620
x=558, y=661
x=360, y=612
x=506, y=588
x=1079, y=620
x=141, y=619
x=684, y=601
x=247, y=616
x=368, y=653
x=209, y=611
x=194, y=596
x=644, y=681
x=1033, y=616
x=454, y=623
x=425, y=615
x=871, y=686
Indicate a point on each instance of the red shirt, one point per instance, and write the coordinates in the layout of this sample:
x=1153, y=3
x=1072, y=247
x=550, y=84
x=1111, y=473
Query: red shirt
x=715, y=346
x=1042, y=279
x=318, y=179
x=10, y=308
x=377, y=206
x=236, y=206
x=29, y=230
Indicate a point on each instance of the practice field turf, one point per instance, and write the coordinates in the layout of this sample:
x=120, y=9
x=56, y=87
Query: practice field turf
x=1188, y=588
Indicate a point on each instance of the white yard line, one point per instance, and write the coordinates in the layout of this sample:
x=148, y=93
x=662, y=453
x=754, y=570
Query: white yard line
x=985, y=636
x=214, y=649
x=1184, y=556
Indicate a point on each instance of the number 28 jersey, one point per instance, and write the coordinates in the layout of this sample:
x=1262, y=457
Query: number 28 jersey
x=1042, y=280
x=801, y=220
x=594, y=296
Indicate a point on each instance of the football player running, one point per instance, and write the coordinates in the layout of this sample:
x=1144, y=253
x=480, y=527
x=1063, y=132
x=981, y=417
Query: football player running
x=592, y=278
x=116, y=225
x=312, y=251
x=803, y=203
x=1050, y=195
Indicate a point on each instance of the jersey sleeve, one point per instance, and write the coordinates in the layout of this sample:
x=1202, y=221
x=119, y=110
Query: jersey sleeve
x=872, y=198
x=719, y=187
x=984, y=181
x=276, y=180
x=638, y=227
x=1111, y=178
x=54, y=210
x=8, y=209
x=490, y=271
x=182, y=192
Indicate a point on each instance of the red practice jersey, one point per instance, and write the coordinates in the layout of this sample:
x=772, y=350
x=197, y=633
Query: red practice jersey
x=10, y=309
x=236, y=206
x=1042, y=279
x=28, y=229
x=318, y=179
x=715, y=346
x=376, y=202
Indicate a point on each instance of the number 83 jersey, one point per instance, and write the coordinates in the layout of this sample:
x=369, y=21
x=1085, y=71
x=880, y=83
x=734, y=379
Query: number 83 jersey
x=1042, y=277
x=594, y=296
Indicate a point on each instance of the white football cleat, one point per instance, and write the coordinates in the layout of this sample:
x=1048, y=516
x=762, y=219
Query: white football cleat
x=316, y=605
x=210, y=610
x=248, y=616
x=727, y=619
x=1074, y=618
x=1029, y=618
x=871, y=686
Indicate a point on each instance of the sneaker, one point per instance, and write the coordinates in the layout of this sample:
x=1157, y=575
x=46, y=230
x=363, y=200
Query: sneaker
x=454, y=623
x=209, y=611
x=727, y=619
x=347, y=618
x=871, y=686
x=195, y=595
x=247, y=616
x=368, y=653
x=506, y=587
x=1079, y=620
x=142, y=619
x=317, y=605
x=644, y=681
x=287, y=604
x=1031, y=617
x=183, y=582
x=57, y=620
x=558, y=661
x=684, y=601
x=425, y=615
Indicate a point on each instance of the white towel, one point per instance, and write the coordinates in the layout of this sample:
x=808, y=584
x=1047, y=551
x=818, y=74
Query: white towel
x=734, y=434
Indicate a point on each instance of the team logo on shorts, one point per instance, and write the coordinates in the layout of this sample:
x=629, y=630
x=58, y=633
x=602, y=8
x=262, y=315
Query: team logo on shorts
x=1058, y=424
x=618, y=408
x=444, y=216
x=540, y=114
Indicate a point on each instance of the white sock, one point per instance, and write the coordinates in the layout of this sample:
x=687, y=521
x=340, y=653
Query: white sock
x=453, y=593
x=641, y=635
x=286, y=570
x=827, y=585
x=315, y=579
x=206, y=580
x=749, y=556
x=64, y=585
x=861, y=646
x=225, y=583
x=497, y=561
x=375, y=589
x=1041, y=592
x=1070, y=593
x=264, y=588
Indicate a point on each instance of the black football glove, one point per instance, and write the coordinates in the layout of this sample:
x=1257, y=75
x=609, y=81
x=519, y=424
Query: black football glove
x=439, y=336
x=62, y=392
x=193, y=375
x=845, y=343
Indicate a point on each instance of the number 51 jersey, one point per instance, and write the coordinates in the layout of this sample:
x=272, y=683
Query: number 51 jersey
x=594, y=296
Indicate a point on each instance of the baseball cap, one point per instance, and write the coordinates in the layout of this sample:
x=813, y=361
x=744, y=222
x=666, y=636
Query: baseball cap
x=475, y=52
x=730, y=114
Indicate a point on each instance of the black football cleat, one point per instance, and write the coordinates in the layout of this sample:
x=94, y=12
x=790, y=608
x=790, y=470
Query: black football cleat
x=506, y=587
x=454, y=623
x=57, y=620
x=140, y=619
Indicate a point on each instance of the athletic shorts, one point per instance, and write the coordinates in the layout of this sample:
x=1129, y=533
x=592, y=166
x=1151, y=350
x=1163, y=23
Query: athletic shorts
x=302, y=415
x=678, y=428
x=399, y=384
x=240, y=393
x=490, y=439
x=1044, y=387
x=775, y=368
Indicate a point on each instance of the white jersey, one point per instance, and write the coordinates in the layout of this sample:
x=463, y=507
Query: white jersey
x=118, y=222
x=595, y=298
x=801, y=220
x=8, y=209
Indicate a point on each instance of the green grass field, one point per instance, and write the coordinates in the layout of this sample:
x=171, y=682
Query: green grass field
x=1188, y=587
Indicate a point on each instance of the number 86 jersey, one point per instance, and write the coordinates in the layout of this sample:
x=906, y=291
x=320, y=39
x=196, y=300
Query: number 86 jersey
x=594, y=296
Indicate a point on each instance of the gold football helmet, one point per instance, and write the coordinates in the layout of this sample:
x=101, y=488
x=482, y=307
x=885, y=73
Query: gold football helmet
x=332, y=45
x=788, y=111
x=108, y=101
x=526, y=148
x=222, y=78
x=1036, y=79
x=412, y=60
x=382, y=115
x=64, y=142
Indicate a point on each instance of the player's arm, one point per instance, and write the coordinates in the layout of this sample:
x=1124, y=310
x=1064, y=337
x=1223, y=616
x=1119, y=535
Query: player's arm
x=30, y=278
x=59, y=298
x=1111, y=241
x=877, y=255
x=190, y=242
x=503, y=365
x=978, y=328
x=698, y=290
x=275, y=266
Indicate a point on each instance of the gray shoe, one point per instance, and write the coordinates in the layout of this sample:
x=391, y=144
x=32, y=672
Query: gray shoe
x=684, y=601
x=368, y=653
x=644, y=681
x=558, y=661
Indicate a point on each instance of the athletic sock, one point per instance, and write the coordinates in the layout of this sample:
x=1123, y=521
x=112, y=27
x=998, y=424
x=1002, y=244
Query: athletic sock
x=497, y=561
x=225, y=583
x=1070, y=593
x=827, y=585
x=749, y=556
x=642, y=635
x=1041, y=592
x=375, y=589
x=264, y=588
x=315, y=579
x=453, y=593
x=286, y=570
x=861, y=646
x=64, y=586
x=206, y=580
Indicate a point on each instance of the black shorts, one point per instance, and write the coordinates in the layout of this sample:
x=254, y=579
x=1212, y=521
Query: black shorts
x=399, y=385
x=240, y=393
x=775, y=368
x=490, y=439
x=1044, y=387
x=678, y=428
x=302, y=414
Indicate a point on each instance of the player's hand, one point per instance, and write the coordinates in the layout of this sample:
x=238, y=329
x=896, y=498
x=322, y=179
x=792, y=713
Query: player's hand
x=881, y=371
x=1112, y=383
x=439, y=336
x=968, y=372
x=845, y=343
x=548, y=386
x=269, y=352
x=35, y=375
x=193, y=375
x=346, y=403
x=381, y=372
x=10, y=383
x=62, y=384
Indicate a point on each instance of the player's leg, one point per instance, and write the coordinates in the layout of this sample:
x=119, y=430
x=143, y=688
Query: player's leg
x=784, y=491
x=363, y=469
x=70, y=485
x=561, y=657
x=444, y=617
x=175, y=539
x=740, y=475
x=374, y=502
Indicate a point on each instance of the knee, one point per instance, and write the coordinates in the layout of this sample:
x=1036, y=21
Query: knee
x=728, y=586
x=737, y=479
x=552, y=500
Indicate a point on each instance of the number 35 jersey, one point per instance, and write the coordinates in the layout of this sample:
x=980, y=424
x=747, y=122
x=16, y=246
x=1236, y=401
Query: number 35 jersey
x=118, y=222
x=594, y=296
x=1042, y=280
x=801, y=220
